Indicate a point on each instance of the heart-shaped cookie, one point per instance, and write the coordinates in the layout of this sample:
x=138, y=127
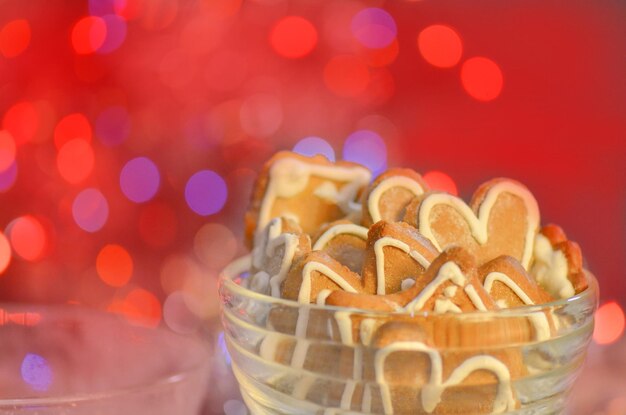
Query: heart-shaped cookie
x=309, y=190
x=344, y=241
x=387, y=197
x=502, y=219
x=396, y=254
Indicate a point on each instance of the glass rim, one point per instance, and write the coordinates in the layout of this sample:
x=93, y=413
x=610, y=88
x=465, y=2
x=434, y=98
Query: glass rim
x=242, y=264
x=178, y=376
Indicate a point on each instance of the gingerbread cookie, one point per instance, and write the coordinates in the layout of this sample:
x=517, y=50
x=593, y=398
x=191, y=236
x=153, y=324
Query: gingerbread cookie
x=396, y=254
x=317, y=273
x=387, y=197
x=502, y=219
x=509, y=285
x=344, y=241
x=415, y=377
x=309, y=190
x=276, y=248
x=450, y=284
x=558, y=263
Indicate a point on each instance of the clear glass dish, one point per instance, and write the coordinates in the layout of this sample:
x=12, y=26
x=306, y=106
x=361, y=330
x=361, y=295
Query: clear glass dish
x=292, y=358
x=73, y=361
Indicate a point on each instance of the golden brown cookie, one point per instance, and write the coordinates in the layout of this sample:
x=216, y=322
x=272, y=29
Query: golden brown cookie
x=344, y=241
x=450, y=284
x=558, y=263
x=309, y=190
x=387, y=197
x=280, y=244
x=509, y=285
x=396, y=254
x=502, y=219
x=415, y=377
x=317, y=273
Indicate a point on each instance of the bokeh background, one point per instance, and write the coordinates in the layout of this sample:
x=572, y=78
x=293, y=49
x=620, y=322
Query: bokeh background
x=132, y=131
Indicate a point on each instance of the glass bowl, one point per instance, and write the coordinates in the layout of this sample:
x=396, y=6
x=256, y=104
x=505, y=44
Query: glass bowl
x=292, y=358
x=73, y=361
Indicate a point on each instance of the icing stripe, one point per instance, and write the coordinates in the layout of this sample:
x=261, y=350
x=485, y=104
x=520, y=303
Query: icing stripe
x=340, y=229
x=373, y=201
x=379, y=246
x=304, y=296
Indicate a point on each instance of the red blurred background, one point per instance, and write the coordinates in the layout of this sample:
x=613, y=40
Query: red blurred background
x=132, y=129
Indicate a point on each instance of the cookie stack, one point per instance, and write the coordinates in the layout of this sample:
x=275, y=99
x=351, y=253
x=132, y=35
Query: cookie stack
x=324, y=233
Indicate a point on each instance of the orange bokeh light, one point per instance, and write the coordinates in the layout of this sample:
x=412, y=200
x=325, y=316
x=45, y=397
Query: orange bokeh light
x=346, y=76
x=28, y=238
x=7, y=150
x=22, y=121
x=140, y=307
x=438, y=180
x=72, y=126
x=75, y=161
x=481, y=78
x=293, y=37
x=440, y=46
x=5, y=253
x=379, y=57
x=114, y=265
x=609, y=323
x=14, y=38
x=88, y=34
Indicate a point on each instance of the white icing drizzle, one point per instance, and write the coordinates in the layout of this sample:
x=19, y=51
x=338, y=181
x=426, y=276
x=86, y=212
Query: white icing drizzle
x=260, y=282
x=506, y=280
x=550, y=269
x=302, y=387
x=322, y=296
x=304, y=296
x=448, y=272
x=366, y=402
x=344, y=322
x=538, y=319
x=444, y=305
x=302, y=344
x=450, y=291
x=266, y=243
x=289, y=176
x=366, y=330
x=478, y=224
x=407, y=283
x=340, y=229
x=432, y=391
x=474, y=297
x=379, y=246
x=327, y=191
x=373, y=201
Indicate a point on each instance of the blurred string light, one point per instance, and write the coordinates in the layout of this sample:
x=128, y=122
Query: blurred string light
x=36, y=372
x=310, y=146
x=5, y=253
x=75, y=160
x=440, y=45
x=90, y=210
x=206, y=192
x=70, y=127
x=113, y=126
x=609, y=323
x=346, y=75
x=115, y=33
x=367, y=148
x=28, y=237
x=140, y=179
x=14, y=38
x=22, y=121
x=7, y=150
x=140, y=307
x=438, y=180
x=8, y=177
x=158, y=224
x=177, y=315
x=374, y=28
x=481, y=78
x=293, y=37
x=88, y=35
x=114, y=265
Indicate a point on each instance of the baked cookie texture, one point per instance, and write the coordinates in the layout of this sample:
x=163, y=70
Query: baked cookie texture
x=426, y=263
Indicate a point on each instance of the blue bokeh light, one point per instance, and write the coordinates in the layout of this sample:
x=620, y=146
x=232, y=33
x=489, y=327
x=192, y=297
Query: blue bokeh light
x=310, y=146
x=36, y=372
x=367, y=148
x=140, y=179
x=206, y=192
